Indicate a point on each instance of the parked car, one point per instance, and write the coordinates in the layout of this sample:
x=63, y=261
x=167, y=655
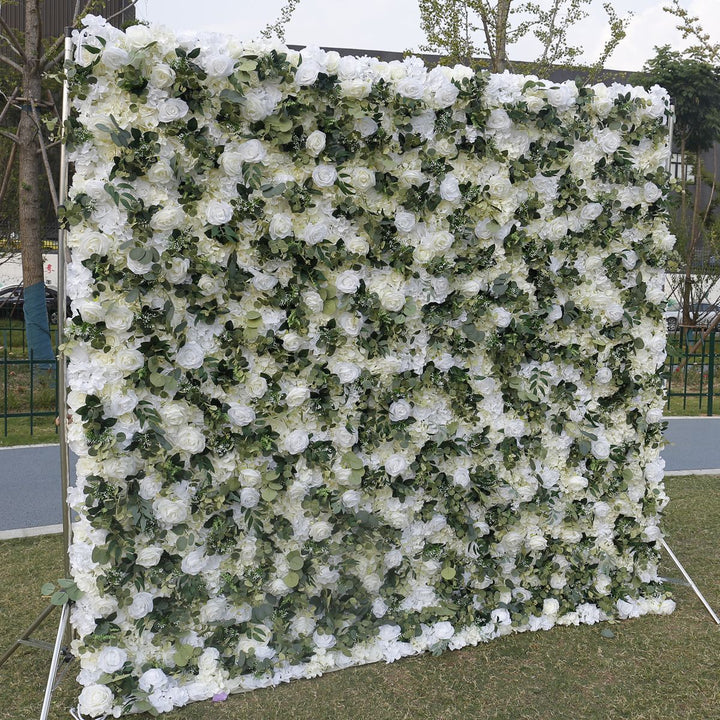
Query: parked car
x=12, y=303
x=701, y=316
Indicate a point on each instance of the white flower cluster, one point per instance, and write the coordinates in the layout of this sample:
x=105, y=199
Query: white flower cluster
x=363, y=360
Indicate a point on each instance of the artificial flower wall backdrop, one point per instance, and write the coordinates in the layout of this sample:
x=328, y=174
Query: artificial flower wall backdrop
x=363, y=360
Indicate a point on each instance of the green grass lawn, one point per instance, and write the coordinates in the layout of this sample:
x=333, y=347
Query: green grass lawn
x=651, y=669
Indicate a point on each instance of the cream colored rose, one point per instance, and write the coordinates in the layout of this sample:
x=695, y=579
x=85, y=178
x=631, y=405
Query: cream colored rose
x=315, y=142
x=324, y=175
x=95, y=700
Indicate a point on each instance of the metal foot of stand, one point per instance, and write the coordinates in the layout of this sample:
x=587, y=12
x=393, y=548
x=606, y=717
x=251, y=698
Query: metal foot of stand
x=26, y=637
x=59, y=653
x=690, y=582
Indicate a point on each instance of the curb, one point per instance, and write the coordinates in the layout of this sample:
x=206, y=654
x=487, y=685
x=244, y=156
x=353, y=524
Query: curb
x=30, y=532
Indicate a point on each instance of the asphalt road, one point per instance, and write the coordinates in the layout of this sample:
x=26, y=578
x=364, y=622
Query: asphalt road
x=30, y=492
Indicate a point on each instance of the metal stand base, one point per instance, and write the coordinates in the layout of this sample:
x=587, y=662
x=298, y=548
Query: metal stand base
x=690, y=582
x=59, y=651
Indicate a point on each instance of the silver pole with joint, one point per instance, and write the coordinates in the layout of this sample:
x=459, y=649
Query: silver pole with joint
x=64, y=634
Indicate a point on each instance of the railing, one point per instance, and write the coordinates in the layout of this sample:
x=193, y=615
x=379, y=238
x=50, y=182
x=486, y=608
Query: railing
x=690, y=373
x=29, y=387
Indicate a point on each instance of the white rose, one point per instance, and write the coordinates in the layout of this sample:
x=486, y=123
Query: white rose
x=608, y=140
x=551, y=606
x=252, y=151
x=443, y=630
x=231, y=161
x=499, y=120
x=315, y=233
x=471, y=287
x=320, y=530
x=292, y=342
x=363, y=179
x=651, y=192
x=400, y=410
x=315, y=142
x=461, y=477
x=281, y=226
x=110, y=659
x=141, y=605
x=149, y=556
x=404, y=221
x=396, y=465
x=563, y=97
x=218, y=65
x=591, y=211
x=296, y=442
x=218, y=212
x=411, y=87
x=347, y=372
x=307, y=72
x=356, y=88
x=348, y=282
x=351, y=499
x=366, y=126
x=241, y=415
x=600, y=449
x=153, y=679
x=249, y=497
x=160, y=173
x=357, y=245
x=391, y=299
x=575, y=483
x=172, y=512
x=114, y=57
x=194, y=562
x=450, y=188
x=161, y=75
x=603, y=376
x=501, y=317
x=313, y=300
x=256, y=386
x=95, y=700
x=190, y=439
x=324, y=175
x=351, y=324
x=118, y=317
x=297, y=396
x=172, y=109
x=190, y=356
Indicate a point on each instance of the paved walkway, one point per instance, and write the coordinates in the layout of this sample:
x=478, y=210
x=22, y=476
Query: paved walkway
x=31, y=493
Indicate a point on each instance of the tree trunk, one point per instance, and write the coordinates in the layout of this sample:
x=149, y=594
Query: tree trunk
x=501, y=29
x=30, y=199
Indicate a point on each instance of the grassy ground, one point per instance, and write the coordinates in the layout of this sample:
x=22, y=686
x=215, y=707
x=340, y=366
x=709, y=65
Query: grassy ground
x=652, y=668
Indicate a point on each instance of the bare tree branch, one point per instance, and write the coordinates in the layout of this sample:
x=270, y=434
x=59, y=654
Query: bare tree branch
x=43, y=150
x=8, y=103
x=5, y=59
x=12, y=38
x=10, y=136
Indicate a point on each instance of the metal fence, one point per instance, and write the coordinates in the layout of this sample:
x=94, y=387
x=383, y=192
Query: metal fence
x=29, y=398
x=30, y=392
x=690, y=373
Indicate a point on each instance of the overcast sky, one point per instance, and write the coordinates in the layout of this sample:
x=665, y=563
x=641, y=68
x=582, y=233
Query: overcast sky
x=395, y=24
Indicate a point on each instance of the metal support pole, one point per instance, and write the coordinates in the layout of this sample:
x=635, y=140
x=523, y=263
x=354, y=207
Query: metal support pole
x=690, y=581
x=62, y=305
x=55, y=662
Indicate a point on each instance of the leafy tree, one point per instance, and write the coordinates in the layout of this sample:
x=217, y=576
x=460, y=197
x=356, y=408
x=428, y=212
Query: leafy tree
x=30, y=60
x=694, y=86
x=453, y=26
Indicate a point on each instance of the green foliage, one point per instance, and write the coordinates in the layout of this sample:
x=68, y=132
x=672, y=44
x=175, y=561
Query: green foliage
x=694, y=86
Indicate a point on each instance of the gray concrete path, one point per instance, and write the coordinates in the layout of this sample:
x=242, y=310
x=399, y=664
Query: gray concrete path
x=30, y=493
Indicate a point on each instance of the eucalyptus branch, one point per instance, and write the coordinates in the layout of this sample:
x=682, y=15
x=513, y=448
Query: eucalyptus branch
x=691, y=27
x=278, y=27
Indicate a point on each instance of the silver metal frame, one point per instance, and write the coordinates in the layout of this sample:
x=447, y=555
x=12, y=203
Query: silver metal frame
x=64, y=633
